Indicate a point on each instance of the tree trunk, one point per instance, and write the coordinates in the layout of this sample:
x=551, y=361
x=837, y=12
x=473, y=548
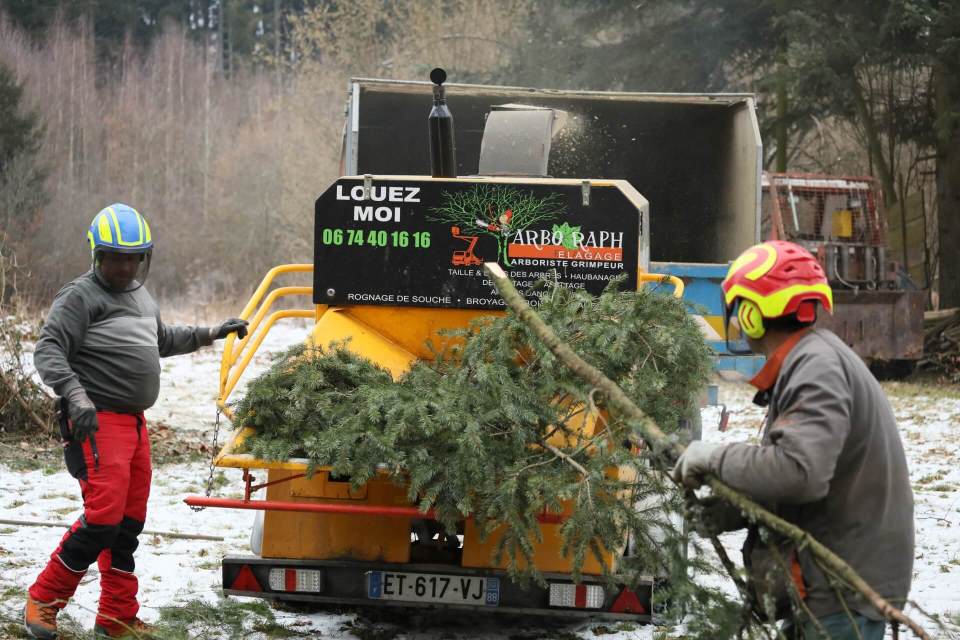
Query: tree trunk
x=781, y=128
x=947, y=100
x=277, y=56
x=874, y=146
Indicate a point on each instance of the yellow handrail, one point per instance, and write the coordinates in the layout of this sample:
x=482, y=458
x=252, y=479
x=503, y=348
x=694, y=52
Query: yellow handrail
x=233, y=349
x=663, y=278
x=231, y=382
x=261, y=312
x=227, y=361
x=231, y=354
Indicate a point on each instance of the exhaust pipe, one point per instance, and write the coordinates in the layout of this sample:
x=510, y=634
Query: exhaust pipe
x=443, y=155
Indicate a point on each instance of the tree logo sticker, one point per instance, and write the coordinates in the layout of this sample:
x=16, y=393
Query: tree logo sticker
x=496, y=210
x=517, y=220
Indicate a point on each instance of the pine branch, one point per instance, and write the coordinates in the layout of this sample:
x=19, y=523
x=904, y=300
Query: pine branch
x=568, y=459
x=667, y=450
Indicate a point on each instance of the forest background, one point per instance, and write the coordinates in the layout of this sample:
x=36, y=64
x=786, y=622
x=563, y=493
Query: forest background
x=221, y=120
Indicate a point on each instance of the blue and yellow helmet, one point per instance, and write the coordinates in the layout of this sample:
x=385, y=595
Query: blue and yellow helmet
x=121, y=229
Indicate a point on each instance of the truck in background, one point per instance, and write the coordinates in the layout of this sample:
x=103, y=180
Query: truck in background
x=840, y=220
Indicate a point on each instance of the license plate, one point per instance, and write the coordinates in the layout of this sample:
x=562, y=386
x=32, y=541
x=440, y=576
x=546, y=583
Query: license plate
x=431, y=587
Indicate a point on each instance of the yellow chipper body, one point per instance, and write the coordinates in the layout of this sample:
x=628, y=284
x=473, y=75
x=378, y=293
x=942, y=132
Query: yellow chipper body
x=398, y=262
x=393, y=337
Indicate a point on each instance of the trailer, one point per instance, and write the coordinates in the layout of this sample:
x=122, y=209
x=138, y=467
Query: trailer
x=395, y=265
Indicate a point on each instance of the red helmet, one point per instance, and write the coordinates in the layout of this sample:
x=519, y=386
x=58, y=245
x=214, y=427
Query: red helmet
x=774, y=279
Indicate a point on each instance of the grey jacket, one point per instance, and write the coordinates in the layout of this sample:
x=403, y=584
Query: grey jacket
x=831, y=462
x=110, y=344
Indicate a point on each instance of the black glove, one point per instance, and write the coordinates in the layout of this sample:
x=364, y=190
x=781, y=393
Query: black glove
x=83, y=415
x=231, y=325
x=712, y=516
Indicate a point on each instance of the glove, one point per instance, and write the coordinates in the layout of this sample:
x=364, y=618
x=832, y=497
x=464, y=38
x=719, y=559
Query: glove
x=712, y=516
x=83, y=415
x=231, y=325
x=698, y=460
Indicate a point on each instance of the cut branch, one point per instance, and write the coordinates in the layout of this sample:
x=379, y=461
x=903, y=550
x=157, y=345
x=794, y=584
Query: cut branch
x=12, y=387
x=667, y=450
x=66, y=525
x=560, y=454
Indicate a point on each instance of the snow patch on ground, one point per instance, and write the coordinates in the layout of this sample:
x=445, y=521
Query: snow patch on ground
x=174, y=571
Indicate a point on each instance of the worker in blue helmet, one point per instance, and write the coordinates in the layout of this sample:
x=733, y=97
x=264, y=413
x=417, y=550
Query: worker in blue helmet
x=100, y=350
x=121, y=248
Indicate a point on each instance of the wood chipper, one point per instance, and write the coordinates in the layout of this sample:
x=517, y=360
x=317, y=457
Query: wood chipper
x=395, y=265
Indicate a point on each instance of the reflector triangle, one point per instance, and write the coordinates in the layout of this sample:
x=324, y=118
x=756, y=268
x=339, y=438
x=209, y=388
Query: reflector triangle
x=245, y=580
x=627, y=602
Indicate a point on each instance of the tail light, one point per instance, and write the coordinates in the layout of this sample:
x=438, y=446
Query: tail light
x=576, y=596
x=287, y=579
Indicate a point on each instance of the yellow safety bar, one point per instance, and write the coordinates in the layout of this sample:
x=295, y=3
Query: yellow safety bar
x=233, y=349
x=663, y=279
x=237, y=354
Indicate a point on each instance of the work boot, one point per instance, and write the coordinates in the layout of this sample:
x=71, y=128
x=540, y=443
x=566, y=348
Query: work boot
x=40, y=619
x=135, y=629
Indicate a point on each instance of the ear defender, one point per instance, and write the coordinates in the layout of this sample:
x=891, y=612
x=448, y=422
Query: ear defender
x=750, y=319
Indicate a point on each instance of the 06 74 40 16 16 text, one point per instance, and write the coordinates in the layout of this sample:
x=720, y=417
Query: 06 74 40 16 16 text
x=375, y=238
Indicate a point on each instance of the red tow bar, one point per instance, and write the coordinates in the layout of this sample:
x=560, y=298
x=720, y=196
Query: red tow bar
x=348, y=509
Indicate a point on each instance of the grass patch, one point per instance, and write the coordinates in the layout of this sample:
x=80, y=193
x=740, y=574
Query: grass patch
x=16, y=503
x=933, y=477
x=42, y=453
x=226, y=618
x=18, y=563
x=11, y=626
x=14, y=593
x=62, y=494
x=178, y=457
x=11, y=629
x=220, y=480
x=169, y=445
x=925, y=386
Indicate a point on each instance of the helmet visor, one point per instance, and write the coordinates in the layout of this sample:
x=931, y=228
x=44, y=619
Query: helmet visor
x=736, y=341
x=122, y=272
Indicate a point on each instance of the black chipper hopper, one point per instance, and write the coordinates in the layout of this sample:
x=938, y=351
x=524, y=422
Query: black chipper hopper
x=443, y=155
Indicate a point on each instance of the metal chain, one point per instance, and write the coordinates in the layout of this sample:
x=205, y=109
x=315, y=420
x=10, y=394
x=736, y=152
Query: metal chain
x=213, y=456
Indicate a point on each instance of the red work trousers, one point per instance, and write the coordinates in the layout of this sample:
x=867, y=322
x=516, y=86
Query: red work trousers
x=115, y=489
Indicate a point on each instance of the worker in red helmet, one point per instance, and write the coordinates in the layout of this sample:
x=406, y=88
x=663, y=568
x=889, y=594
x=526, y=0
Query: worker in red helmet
x=830, y=460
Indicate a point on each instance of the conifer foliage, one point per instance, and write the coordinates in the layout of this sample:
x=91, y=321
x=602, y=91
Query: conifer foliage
x=492, y=426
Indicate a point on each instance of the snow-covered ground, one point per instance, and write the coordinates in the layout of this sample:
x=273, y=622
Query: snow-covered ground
x=174, y=571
